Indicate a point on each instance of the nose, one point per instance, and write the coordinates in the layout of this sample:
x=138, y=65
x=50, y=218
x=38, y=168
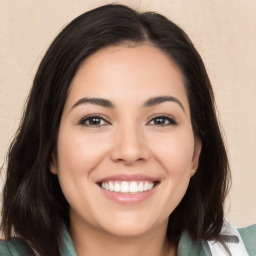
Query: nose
x=129, y=146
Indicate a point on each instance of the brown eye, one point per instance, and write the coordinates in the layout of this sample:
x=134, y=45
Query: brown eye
x=94, y=121
x=162, y=121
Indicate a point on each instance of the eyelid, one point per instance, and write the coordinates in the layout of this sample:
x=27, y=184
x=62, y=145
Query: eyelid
x=168, y=117
x=82, y=121
x=85, y=118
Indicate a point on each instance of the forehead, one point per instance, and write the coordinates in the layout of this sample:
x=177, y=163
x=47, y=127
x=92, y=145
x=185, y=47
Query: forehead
x=128, y=72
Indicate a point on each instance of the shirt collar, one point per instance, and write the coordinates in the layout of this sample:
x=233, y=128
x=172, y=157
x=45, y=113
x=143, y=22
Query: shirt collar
x=67, y=247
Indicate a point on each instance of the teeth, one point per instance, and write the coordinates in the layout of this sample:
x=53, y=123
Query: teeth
x=133, y=187
x=111, y=186
x=141, y=187
x=150, y=186
x=124, y=187
x=117, y=187
x=127, y=187
x=146, y=186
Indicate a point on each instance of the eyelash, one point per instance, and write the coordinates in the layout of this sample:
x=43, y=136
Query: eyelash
x=90, y=118
x=170, y=120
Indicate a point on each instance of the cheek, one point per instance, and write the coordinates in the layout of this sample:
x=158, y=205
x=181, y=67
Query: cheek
x=78, y=157
x=79, y=154
x=175, y=153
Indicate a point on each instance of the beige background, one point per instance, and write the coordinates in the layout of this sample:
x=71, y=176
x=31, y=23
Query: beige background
x=224, y=33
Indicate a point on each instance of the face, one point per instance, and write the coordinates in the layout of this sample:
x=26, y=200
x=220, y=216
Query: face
x=126, y=149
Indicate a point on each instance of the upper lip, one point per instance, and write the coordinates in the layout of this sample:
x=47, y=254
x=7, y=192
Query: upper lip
x=127, y=177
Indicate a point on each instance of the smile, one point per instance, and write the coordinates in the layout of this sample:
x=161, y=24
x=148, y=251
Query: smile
x=128, y=189
x=128, y=186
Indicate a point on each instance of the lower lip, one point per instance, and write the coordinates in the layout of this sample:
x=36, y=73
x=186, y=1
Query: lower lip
x=135, y=198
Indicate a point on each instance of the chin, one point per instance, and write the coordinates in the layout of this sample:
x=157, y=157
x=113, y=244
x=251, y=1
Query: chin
x=127, y=230
x=131, y=225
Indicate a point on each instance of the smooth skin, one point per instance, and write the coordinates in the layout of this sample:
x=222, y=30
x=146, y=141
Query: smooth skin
x=122, y=134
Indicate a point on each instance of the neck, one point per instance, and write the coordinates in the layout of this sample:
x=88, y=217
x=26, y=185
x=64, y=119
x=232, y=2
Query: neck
x=91, y=241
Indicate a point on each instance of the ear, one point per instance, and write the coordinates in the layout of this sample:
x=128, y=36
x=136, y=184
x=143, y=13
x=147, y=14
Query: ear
x=196, y=156
x=53, y=165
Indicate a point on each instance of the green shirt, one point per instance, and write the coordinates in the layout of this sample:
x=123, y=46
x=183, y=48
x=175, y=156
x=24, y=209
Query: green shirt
x=187, y=246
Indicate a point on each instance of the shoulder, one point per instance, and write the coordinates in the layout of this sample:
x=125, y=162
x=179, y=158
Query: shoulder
x=16, y=247
x=187, y=246
x=238, y=241
x=13, y=247
x=248, y=236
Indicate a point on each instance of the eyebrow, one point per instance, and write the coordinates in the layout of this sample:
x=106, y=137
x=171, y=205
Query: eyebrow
x=108, y=104
x=158, y=100
x=95, y=101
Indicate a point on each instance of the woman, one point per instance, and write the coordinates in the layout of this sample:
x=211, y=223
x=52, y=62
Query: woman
x=119, y=151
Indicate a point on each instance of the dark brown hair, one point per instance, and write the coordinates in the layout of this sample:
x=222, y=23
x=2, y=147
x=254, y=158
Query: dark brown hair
x=34, y=207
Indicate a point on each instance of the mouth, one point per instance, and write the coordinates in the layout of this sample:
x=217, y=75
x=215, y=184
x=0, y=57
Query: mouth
x=128, y=189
